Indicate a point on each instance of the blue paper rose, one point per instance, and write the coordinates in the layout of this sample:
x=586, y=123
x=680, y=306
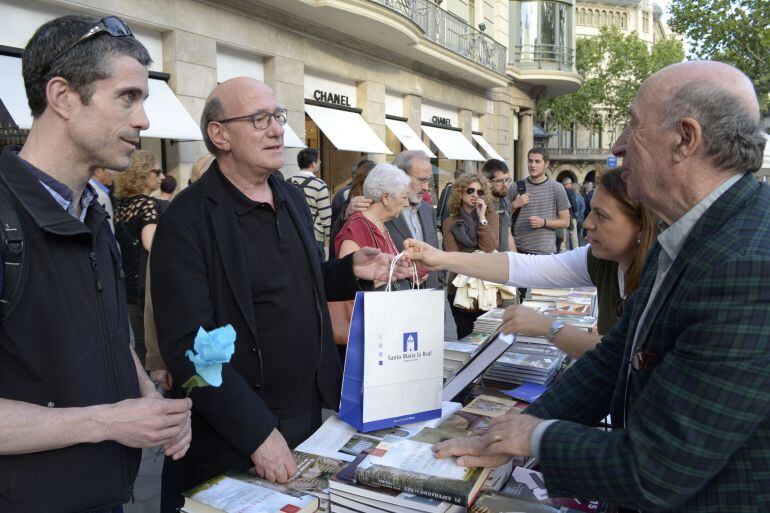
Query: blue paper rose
x=212, y=349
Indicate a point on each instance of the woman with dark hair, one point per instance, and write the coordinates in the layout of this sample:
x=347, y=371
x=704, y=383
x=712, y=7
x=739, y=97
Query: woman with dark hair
x=136, y=217
x=167, y=188
x=619, y=231
x=471, y=226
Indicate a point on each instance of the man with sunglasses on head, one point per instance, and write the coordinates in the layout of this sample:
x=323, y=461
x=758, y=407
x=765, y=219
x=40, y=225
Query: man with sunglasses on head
x=237, y=247
x=75, y=402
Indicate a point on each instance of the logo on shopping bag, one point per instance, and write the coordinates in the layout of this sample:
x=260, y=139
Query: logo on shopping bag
x=410, y=342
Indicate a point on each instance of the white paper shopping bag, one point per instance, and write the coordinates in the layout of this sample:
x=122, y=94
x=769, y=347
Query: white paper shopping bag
x=394, y=364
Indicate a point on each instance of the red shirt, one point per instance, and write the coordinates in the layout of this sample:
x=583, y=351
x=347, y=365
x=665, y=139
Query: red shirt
x=365, y=233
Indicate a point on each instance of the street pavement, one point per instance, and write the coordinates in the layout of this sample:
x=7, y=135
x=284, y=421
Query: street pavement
x=147, y=486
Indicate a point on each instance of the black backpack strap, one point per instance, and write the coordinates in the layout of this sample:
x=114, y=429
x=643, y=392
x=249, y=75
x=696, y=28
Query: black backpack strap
x=11, y=251
x=303, y=183
x=521, y=185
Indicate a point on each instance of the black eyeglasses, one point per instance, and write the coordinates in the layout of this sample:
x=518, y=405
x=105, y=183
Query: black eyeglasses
x=502, y=180
x=111, y=25
x=260, y=120
x=471, y=190
x=156, y=172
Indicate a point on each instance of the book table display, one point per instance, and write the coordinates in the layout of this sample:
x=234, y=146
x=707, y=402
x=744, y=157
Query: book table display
x=341, y=470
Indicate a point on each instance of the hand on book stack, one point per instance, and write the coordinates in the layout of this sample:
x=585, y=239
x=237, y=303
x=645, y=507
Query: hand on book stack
x=509, y=435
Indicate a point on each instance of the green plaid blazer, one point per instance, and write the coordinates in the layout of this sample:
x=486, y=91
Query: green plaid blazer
x=697, y=427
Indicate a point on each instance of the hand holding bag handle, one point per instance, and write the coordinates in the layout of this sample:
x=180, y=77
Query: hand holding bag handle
x=415, y=281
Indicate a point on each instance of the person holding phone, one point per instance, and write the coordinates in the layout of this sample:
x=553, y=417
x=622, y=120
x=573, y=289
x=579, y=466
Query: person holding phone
x=472, y=226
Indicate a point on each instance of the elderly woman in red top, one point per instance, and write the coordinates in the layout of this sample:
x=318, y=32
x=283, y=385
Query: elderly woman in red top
x=387, y=186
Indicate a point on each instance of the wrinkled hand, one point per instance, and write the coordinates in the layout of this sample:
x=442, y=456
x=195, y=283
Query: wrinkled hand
x=525, y=321
x=148, y=423
x=424, y=254
x=509, y=435
x=273, y=460
x=521, y=200
x=178, y=446
x=536, y=222
x=357, y=204
x=163, y=378
x=374, y=265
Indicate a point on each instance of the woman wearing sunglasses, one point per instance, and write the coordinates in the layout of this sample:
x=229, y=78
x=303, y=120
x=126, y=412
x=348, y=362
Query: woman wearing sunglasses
x=136, y=217
x=619, y=231
x=471, y=226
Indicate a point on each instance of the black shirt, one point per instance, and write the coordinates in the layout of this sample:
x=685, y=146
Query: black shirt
x=132, y=214
x=285, y=309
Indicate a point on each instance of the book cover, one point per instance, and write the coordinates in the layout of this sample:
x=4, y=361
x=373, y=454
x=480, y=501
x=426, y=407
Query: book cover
x=525, y=491
x=527, y=392
x=409, y=466
x=491, y=406
x=240, y=492
x=344, y=482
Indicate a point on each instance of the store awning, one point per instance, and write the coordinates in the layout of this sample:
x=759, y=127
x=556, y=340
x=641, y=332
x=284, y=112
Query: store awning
x=346, y=130
x=291, y=139
x=406, y=135
x=12, y=91
x=453, y=144
x=486, y=147
x=168, y=117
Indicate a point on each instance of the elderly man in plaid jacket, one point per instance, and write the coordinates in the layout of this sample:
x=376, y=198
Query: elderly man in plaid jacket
x=686, y=371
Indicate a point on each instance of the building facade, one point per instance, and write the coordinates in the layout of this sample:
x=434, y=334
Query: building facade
x=360, y=78
x=577, y=152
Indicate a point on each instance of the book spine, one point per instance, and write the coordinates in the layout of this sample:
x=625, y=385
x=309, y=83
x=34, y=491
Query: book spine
x=448, y=490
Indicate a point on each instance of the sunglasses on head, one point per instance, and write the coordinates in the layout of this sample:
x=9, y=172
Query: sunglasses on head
x=111, y=25
x=471, y=190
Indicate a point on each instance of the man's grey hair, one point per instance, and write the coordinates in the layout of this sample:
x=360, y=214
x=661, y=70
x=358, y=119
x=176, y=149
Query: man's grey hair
x=733, y=139
x=212, y=111
x=405, y=159
x=385, y=178
x=566, y=181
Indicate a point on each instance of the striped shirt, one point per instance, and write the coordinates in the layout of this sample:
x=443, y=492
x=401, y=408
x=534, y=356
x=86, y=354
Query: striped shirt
x=317, y=197
x=546, y=199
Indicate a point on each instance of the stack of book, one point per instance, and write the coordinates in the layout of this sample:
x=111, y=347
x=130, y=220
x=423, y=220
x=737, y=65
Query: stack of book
x=575, y=307
x=459, y=381
x=458, y=354
x=400, y=474
x=391, y=470
x=240, y=492
x=526, y=363
x=490, y=321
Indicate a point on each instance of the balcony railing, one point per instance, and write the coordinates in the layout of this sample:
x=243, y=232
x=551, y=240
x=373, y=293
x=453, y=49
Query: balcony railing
x=548, y=57
x=579, y=152
x=451, y=32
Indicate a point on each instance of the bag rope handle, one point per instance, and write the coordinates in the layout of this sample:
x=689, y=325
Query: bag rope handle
x=415, y=282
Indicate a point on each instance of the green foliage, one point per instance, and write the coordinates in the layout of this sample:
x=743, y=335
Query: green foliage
x=613, y=65
x=732, y=31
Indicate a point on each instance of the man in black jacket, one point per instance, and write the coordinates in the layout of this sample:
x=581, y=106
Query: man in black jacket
x=237, y=248
x=75, y=403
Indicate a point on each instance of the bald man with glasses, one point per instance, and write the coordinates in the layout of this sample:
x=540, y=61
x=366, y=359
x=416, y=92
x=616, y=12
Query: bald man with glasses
x=237, y=247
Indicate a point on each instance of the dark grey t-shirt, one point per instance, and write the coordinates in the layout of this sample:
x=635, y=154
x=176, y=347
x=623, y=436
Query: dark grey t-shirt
x=503, y=208
x=546, y=200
